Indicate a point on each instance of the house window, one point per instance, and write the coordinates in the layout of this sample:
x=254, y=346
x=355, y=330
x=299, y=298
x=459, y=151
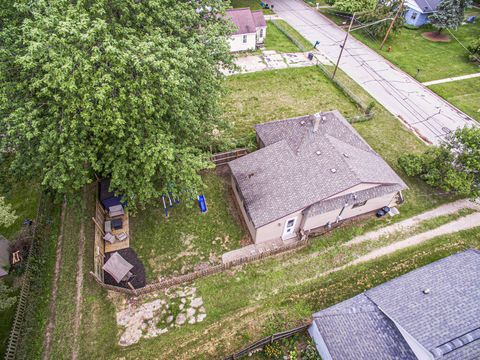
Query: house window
x=359, y=204
x=244, y=39
x=414, y=16
x=261, y=32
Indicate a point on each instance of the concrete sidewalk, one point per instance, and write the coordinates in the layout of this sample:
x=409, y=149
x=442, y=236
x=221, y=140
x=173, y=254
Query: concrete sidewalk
x=420, y=109
x=447, y=80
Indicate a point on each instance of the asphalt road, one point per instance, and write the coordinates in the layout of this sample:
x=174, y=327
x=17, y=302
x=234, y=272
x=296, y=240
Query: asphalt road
x=423, y=111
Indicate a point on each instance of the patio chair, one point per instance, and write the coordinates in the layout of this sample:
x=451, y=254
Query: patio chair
x=122, y=236
x=116, y=210
x=108, y=226
x=109, y=237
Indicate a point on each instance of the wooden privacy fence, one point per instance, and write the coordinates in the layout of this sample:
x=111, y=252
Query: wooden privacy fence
x=266, y=341
x=178, y=280
x=17, y=327
x=225, y=157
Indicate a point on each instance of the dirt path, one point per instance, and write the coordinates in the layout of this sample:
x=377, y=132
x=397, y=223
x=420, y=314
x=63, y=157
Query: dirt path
x=446, y=209
x=47, y=342
x=464, y=223
x=79, y=287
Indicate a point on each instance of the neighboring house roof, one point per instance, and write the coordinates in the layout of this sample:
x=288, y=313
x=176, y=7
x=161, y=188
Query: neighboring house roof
x=399, y=317
x=299, y=167
x=259, y=18
x=246, y=20
x=423, y=6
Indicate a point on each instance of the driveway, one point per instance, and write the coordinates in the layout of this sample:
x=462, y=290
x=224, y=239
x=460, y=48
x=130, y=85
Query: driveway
x=423, y=111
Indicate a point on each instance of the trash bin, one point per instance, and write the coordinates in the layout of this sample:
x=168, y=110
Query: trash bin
x=310, y=56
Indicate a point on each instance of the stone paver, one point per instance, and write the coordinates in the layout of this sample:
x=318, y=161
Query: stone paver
x=156, y=317
x=421, y=110
x=273, y=60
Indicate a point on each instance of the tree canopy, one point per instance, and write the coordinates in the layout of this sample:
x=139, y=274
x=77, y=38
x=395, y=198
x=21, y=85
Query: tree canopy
x=383, y=10
x=351, y=6
x=123, y=89
x=453, y=166
x=7, y=214
x=449, y=14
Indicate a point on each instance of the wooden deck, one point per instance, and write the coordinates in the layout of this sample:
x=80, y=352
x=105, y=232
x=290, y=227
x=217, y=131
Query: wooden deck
x=121, y=244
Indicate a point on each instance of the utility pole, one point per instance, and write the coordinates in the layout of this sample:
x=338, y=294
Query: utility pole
x=343, y=46
x=391, y=24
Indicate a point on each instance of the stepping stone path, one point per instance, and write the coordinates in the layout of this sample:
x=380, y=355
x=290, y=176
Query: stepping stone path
x=151, y=319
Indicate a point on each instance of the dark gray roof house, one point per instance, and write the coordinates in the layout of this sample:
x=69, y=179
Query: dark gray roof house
x=310, y=168
x=429, y=313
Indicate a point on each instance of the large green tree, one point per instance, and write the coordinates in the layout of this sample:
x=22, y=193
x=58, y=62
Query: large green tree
x=122, y=88
x=351, y=6
x=383, y=10
x=7, y=214
x=449, y=14
x=452, y=166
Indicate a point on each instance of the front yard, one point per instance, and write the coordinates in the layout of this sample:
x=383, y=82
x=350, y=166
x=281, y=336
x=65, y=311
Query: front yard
x=464, y=94
x=435, y=60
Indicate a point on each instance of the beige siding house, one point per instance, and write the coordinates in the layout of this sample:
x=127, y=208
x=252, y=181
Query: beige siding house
x=250, y=29
x=310, y=172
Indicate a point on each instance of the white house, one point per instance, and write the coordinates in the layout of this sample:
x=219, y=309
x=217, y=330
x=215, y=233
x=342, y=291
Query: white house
x=251, y=29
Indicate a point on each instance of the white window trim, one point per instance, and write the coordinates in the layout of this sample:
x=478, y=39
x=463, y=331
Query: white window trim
x=286, y=235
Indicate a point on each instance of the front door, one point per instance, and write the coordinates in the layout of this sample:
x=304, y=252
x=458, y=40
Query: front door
x=289, y=230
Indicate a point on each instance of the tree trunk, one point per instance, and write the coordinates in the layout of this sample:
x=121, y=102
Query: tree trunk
x=439, y=31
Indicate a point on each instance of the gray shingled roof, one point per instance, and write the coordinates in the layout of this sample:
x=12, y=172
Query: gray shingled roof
x=450, y=310
x=243, y=20
x=299, y=167
x=445, y=321
x=427, y=6
x=358, y=324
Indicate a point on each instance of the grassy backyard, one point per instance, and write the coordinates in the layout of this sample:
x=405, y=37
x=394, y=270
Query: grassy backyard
x=187, y=238
x=276, y=40
x=251, y=301
x=464, y=94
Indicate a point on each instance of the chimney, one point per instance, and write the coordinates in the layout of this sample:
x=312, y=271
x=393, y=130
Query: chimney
x=316, y=122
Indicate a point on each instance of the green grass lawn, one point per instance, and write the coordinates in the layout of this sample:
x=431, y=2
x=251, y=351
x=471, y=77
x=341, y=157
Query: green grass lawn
x=276, y=40
x=271, y=95
x=252, y=4
x=242, y=305
x=252, y=301
x=187, y=238
x=464, y=94
x=294, y=34
x=411, y=51
x=24, y=200
x=435, y=60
